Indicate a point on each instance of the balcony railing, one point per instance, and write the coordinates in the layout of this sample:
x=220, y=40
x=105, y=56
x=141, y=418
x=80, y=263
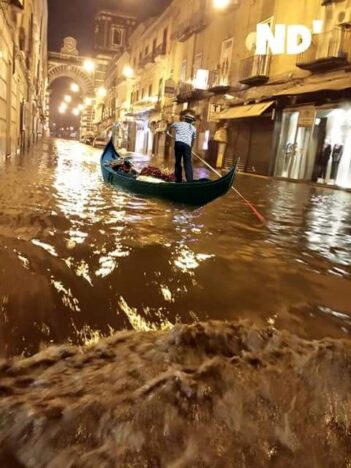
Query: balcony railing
x=254, y=70
x=185, y=90
x=147, y=60
x=190, y=26
x=219, y=81
x=160, y=51
x=328, y=50
x=198, y=22
x=16, y=3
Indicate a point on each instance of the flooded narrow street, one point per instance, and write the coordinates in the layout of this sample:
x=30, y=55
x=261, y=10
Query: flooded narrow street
x=79, y=259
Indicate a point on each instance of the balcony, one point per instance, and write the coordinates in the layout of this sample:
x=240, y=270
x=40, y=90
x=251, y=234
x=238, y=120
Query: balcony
x=184, y=92
x=329, y=50
x=187, y=92
x=198, y=22
x=219, y=82
x=160, y=52
x=254, y=70
x=16, y=3
x=190, y=26
x=147, y=61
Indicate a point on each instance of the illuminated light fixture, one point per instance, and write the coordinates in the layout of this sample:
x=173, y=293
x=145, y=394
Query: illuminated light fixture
x=221, y=4
x=88, y=101
x=201, y=79
x=81, y=107
x=68, y=98
x=89, y=66
x=128, y=71
x=229, y=96
x=63, y=105
x=61, y=110
x=74, y=88
x=153, y=99
x=101, y=92
x=75, y=111
x=317, y=26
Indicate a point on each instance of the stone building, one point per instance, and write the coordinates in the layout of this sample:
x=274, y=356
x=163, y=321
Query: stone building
x=23, y=73
x=283, y=113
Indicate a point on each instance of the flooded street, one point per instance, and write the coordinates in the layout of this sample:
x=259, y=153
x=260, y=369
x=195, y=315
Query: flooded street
x=79, y=259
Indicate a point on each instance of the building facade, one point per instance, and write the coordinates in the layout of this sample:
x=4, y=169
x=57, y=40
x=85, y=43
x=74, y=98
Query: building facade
x=284, y=115
x=23, y=73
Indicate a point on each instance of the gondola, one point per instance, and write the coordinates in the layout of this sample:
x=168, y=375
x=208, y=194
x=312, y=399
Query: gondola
x=195, y=193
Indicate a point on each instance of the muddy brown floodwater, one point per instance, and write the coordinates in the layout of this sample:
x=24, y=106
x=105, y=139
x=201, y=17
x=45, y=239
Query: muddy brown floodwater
x=208, y=396
x=80, y=260
x=267, y=384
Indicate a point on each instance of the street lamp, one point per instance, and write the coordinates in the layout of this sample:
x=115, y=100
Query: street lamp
x=80, y=107
x=88, y=101
x=75, y=111
x=68, y=98
x=89, y=66
x=74, y=88
x=101, y=92
x=128, y=71
x=221, y=4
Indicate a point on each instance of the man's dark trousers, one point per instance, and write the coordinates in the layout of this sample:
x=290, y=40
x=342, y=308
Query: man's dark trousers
x=182, y=150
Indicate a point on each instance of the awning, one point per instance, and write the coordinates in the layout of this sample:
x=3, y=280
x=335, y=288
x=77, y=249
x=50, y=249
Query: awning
x=329, y=85
x=242, y=112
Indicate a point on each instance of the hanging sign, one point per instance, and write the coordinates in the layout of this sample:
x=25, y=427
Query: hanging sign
x=213, y=111
x=307, y=116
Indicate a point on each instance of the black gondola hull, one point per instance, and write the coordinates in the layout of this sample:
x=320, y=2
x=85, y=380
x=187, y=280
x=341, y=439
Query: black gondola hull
x=193, y=193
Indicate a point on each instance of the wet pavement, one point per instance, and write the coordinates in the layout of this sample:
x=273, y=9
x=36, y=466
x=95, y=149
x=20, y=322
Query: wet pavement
x=80, y=259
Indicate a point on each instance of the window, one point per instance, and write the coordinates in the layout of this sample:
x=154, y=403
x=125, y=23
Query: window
x=160, y=89
x=165, y=35
x=154, y=45
x=142, y=94
x=150, y=90
x=146, y=51
x=117, y=36
x=183, y=71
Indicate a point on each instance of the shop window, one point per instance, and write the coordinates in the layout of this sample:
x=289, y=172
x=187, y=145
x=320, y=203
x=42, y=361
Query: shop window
x=293, y=156
x=316, y=145
x=333, y=152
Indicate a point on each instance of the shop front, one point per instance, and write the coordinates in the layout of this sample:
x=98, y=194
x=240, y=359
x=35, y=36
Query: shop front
x=315, y=145
x=250, y=136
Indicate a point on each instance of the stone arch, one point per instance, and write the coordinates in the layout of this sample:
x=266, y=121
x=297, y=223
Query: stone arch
x=76, y=74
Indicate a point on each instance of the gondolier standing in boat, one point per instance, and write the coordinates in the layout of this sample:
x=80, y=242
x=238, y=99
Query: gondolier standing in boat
x=184, y=133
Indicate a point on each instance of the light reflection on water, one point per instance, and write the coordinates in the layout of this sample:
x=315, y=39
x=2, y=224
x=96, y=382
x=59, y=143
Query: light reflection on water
x=80, y=259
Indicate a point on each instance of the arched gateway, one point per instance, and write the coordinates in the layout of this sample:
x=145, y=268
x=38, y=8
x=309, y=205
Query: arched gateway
x=69, y=64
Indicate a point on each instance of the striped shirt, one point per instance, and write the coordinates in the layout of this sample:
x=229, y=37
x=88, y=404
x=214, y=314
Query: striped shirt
x=184, y=132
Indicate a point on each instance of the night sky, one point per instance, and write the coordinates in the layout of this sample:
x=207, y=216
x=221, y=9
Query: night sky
x=75, y=18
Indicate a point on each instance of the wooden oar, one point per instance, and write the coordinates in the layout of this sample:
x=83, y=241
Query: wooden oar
x=247, y=202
